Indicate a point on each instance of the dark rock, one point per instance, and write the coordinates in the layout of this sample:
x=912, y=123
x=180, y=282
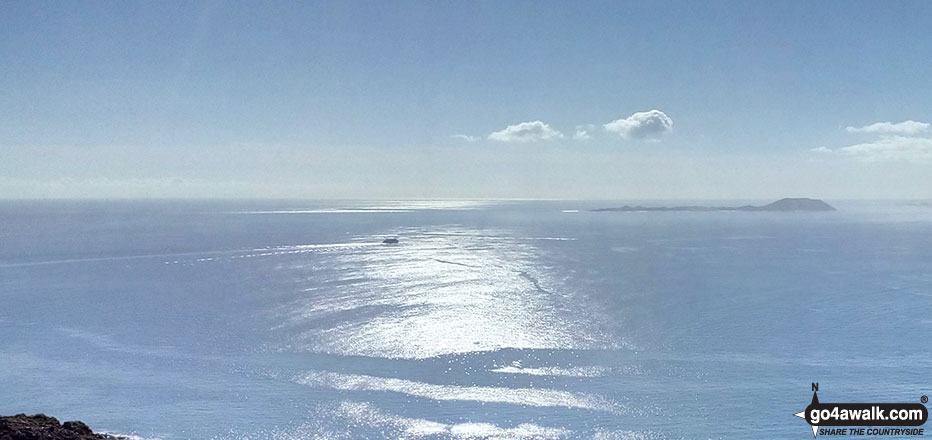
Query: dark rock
x=390, y=241
x=77, y=427
x=43, y=427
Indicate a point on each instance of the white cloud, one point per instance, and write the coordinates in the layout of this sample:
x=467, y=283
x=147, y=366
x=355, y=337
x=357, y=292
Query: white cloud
x=465, y=137
x=824, y=150
x=641, y=125
x=893, y=148
x=902, y=128
x=532, y=131
x=582, y=132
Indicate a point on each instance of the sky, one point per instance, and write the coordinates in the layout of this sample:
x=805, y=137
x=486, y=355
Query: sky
x=466, y=99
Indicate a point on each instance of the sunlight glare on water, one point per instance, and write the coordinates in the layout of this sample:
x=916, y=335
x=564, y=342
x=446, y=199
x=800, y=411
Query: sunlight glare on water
x=516, y=320
x=437, y=292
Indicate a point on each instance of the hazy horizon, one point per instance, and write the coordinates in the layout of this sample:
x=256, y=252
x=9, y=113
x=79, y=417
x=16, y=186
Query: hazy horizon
x=472, y=199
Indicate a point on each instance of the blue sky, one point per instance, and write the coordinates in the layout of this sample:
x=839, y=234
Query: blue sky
x=415, y=99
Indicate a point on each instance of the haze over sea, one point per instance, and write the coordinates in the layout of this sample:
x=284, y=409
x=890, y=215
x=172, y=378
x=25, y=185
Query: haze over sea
x=290, y=320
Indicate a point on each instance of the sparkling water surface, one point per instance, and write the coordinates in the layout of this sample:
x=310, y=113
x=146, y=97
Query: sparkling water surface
x=291, y=320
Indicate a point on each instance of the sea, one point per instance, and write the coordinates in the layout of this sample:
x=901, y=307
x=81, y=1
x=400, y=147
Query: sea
x=235, y=320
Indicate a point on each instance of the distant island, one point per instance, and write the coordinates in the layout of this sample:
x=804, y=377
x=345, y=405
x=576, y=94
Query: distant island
x=788, y=204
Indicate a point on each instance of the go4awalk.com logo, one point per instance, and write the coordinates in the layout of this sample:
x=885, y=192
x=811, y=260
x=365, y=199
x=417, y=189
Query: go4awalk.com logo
x=864, y=419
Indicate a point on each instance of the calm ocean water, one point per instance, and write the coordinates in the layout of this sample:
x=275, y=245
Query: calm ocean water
x=289, y=320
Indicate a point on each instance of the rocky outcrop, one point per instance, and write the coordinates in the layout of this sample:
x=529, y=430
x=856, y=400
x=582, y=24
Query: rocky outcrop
x=43, y=427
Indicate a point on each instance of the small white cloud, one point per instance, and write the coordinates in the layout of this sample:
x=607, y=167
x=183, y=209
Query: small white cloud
x=582, y=132
x=821, y=150
x=465, y=137
x=532, y=131
x=902, y=128
x=641, y=125
x=894, y=148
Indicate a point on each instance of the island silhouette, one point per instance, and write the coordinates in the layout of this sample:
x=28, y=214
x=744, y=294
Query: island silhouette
x=786, y=204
